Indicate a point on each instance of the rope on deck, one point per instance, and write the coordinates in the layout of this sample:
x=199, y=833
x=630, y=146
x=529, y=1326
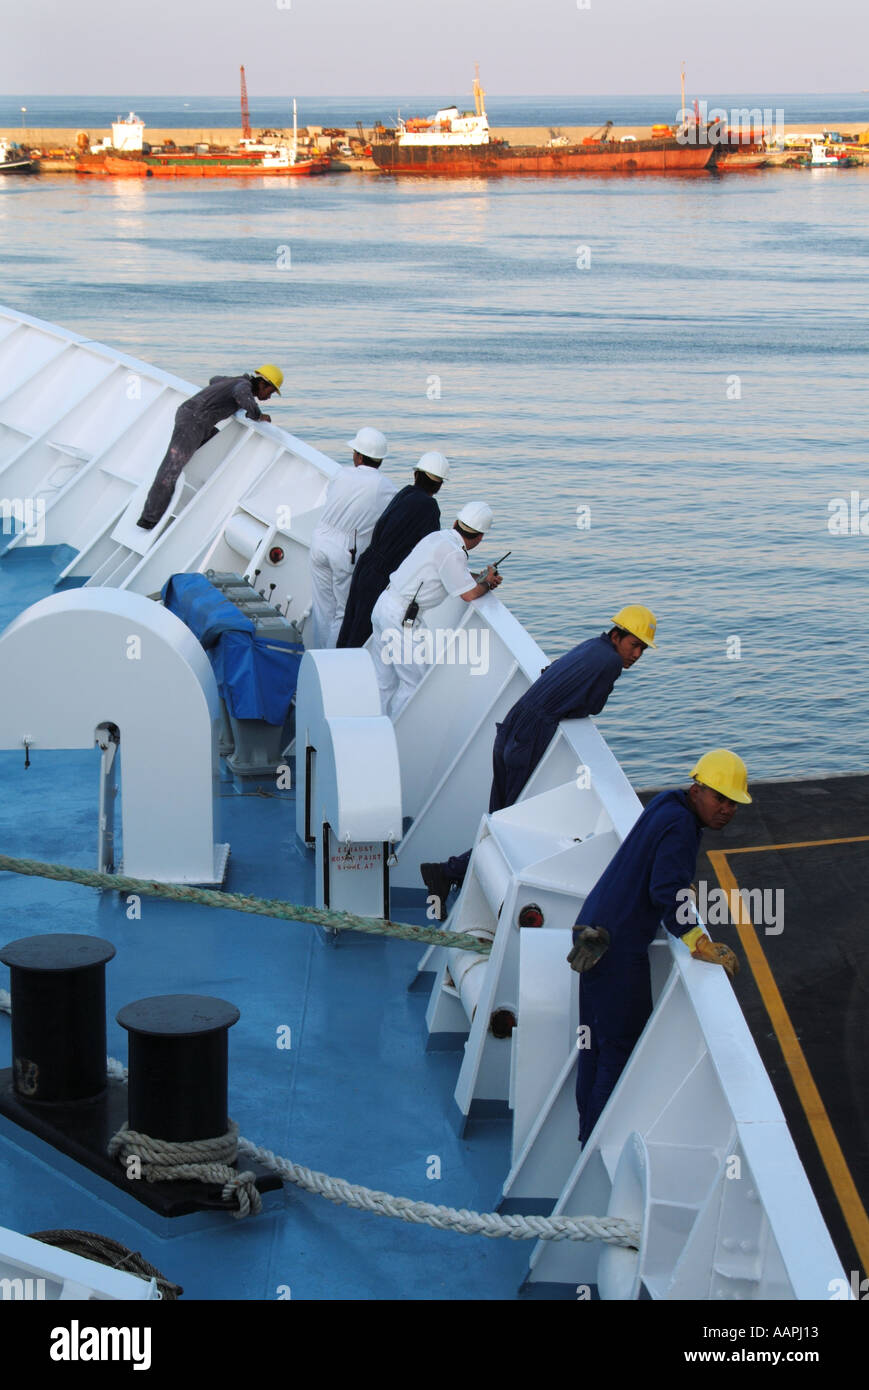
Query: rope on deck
x=612, y=1230
x=246, y=902
x=194, y=1160
x=207, y=1160
x=212, y=1153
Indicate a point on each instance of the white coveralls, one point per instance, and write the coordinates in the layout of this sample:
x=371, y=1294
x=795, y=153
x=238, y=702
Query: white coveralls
x=354, y=500
x=439, y=563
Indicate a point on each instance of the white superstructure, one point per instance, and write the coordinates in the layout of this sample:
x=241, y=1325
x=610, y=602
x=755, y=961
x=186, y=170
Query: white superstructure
x=128, y=134
x=445, y=127
x=448, y=126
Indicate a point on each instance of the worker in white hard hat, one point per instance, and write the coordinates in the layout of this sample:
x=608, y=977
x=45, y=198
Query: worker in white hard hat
x=435, y=569
x=412, y=514
x=575, y=686
x=355, y=499
x=196, y=422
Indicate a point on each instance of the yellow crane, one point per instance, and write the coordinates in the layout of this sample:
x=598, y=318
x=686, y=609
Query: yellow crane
x=479, y=94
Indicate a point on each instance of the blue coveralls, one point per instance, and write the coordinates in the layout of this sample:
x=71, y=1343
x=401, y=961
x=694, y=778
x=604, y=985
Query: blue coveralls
x=636, y=892
x=195, y=422
x=574, y=686
x=412, y=514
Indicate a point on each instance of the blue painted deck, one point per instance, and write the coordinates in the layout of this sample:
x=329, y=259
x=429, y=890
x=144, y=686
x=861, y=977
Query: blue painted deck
x=356, y=1096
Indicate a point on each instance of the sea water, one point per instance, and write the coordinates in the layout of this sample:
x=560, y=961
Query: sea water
x=658, y=384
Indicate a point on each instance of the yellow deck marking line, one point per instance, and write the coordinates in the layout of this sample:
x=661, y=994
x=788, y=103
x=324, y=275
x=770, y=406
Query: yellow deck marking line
x=810, y=1097
x=795, y=844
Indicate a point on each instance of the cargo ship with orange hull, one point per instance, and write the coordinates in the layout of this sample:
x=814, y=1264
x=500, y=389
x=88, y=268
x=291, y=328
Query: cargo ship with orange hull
x=222, y=165
x=456, y=145
x=126, y=155
x=499, y=158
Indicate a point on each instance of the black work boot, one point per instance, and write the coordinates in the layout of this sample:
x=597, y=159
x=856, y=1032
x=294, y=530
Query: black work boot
x=438, y=885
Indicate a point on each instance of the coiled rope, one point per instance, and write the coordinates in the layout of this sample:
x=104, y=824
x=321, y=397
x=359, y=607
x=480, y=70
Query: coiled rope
x=196, y=1160
x=106, y=1251
x=245, y=902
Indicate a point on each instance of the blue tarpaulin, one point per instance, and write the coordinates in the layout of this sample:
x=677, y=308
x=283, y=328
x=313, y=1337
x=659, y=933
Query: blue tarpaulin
x=256, y=676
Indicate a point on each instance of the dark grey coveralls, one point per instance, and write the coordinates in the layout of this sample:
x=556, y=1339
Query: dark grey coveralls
x=195, y=422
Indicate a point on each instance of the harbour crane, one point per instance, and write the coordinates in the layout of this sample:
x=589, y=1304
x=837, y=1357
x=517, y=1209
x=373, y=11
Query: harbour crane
x=599, y=136
x=245, y=110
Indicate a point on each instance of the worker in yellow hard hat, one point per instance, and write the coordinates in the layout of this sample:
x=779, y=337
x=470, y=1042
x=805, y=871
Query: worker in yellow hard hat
x=196, y=422
x=645, y=884
x=576, y=685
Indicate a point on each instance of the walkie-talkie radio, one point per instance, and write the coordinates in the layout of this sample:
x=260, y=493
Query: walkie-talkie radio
x=480, y=577
x=412, y=610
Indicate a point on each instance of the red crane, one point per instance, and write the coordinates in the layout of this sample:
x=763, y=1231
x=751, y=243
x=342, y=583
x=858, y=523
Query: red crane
x=245, y=111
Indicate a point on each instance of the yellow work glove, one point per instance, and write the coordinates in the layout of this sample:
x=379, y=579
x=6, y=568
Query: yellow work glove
x=591, y=944
x=715, y=952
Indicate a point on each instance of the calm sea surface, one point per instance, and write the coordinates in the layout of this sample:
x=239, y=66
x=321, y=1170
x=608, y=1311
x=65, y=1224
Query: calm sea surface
x=843, y=108
x=687, y=359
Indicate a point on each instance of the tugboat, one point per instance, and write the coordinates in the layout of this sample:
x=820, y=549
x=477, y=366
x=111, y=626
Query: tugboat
x=452, y=144
x=741, y=150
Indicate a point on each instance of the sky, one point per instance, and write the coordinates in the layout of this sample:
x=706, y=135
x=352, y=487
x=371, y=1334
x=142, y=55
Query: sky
x=378, y=47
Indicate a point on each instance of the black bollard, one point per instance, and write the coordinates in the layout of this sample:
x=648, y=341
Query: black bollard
x=178, y=1065
x=58, y=988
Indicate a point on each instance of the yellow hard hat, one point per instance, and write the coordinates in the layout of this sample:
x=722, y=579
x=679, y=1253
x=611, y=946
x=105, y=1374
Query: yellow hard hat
x=638, y=621
x=724, y=772
x=272, y=374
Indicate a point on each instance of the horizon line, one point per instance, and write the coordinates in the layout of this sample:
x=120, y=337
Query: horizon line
x=375, y=96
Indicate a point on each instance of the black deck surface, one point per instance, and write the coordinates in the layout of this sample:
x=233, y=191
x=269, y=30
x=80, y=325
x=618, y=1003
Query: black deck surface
x=804, y=982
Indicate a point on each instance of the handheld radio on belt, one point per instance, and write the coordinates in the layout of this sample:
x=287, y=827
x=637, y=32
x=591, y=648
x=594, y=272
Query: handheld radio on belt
x=412, y=609
x=353, y=549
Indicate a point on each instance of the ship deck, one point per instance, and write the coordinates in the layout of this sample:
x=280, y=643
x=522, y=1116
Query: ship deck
x=357, y=1095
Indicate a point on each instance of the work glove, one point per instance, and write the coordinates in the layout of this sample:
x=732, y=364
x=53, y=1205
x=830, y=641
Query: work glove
x=716, y=953
x=591, y=943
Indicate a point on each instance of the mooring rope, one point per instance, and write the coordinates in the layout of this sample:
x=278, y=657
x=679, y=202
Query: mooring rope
x=206, y=1160
x=196, y=1160
x=613, y=1230
x=246, y=902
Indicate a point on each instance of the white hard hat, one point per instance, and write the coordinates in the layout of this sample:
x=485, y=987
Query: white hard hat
x=434, y=464
x=475, y=516
x=370, y=442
